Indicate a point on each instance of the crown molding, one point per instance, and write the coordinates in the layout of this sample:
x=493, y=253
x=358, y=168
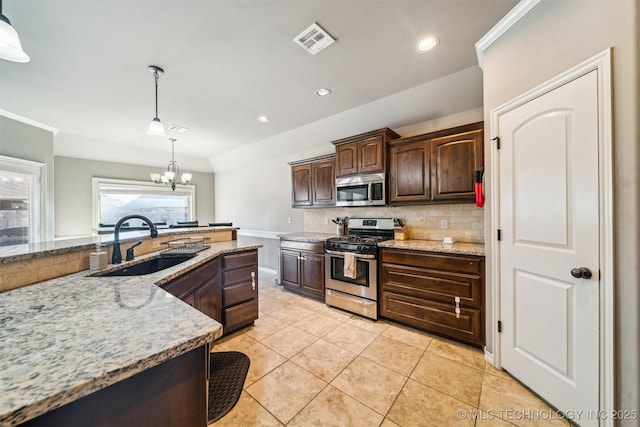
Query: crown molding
x=509, y=20
x=29, y=121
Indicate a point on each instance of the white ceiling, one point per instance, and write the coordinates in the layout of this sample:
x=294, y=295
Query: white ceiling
x=226, y=62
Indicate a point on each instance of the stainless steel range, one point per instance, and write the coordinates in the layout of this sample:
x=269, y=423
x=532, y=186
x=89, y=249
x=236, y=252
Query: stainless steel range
x=351, y=265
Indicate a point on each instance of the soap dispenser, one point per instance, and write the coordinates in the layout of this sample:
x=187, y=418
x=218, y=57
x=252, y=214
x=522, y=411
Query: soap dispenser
x=98, y=259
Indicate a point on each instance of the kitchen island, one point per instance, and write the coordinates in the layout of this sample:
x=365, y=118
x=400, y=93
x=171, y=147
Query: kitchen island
x=70, y=339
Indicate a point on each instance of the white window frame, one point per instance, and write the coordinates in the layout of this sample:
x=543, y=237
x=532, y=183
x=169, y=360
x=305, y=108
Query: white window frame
x=138, y=187
x=37, y=196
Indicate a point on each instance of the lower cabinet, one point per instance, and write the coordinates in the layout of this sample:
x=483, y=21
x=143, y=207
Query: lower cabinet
x=239, y=290
x=302, y=267
x=200, y=288
x=435, y=292
x=173, y=393
x=224, y=288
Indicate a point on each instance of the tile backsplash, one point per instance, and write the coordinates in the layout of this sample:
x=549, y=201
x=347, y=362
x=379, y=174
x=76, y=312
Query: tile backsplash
x=465, y=222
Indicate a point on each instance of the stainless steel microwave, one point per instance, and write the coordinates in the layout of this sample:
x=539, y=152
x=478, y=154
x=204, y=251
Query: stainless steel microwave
x=361, y=190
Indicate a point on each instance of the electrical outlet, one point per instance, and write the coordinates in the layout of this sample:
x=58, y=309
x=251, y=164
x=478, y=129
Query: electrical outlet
x=289, y=220
x=444, y=224
x=326, y=221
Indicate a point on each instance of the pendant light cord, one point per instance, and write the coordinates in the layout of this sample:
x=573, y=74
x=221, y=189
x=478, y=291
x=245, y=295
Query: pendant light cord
x=155, y=74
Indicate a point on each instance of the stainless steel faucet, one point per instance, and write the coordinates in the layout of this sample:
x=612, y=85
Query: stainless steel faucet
x=116, y=257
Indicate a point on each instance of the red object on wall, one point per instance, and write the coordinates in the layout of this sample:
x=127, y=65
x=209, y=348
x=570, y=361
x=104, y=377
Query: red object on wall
x=479, y=189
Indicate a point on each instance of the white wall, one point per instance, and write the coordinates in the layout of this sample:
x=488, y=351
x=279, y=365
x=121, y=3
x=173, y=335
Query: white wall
x=555, y=36
x=73, y=191
x=27, y=142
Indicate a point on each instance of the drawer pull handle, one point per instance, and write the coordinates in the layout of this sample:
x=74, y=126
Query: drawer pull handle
x=457, y=300
x=253, y=280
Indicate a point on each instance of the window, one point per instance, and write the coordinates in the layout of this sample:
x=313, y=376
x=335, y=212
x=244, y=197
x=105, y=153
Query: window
x=21, y=204
x=115, y=198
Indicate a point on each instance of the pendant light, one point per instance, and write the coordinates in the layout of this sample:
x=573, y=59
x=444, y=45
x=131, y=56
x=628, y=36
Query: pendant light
x=170, y=177
x=10, y=47
x=155, y=127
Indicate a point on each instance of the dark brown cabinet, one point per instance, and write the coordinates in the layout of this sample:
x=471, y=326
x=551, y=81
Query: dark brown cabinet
x=424, y=289
x=364, y=153
x=225, y=288
x=454, y=160
x=313, y=182
x=410, y=166
x=302, y=267
x=301, y=191
x=173, y=393
x=239, y=289
x=436, y=167
x=200, y=288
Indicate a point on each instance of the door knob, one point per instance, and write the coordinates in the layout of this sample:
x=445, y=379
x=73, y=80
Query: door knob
x=581, y=273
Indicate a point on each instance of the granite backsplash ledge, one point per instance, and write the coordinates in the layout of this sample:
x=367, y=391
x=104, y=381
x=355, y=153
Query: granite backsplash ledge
x=465, y=222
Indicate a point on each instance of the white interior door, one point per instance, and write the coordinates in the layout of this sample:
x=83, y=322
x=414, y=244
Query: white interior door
x=549, y=221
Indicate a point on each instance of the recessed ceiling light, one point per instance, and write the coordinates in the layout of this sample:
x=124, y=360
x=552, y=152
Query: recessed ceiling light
x=263, y=119
x=323, y=92
x=427, y=44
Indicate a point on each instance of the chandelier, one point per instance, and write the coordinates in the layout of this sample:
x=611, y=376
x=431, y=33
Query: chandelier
x=170, y=177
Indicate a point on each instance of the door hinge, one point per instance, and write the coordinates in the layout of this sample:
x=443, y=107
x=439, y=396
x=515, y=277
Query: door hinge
x=499, y=234
x=499, y=326
x=497, y=140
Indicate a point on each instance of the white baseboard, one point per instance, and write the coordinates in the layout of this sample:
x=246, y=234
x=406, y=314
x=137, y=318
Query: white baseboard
x=488, y=356
x=267, y=270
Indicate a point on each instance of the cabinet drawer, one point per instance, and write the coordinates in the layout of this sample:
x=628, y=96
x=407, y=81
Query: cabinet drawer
x=240, y=315
x=434, y=317
x=237, y=293
x=432, y=285
x=317, y=247
x=432, y=260
x=230, y=262
x=239, y=275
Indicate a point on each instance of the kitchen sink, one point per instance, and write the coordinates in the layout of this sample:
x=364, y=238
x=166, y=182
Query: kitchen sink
x=147, y=267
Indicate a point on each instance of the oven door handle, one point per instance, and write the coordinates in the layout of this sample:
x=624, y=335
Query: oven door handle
x=357, y=255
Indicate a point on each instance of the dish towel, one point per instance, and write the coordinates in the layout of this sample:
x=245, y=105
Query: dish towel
x=349, y=265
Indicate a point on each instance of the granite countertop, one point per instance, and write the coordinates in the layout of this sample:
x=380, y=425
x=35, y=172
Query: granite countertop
x=435, y=246
x=308, y=237
x=41, y=249
x=67, y=337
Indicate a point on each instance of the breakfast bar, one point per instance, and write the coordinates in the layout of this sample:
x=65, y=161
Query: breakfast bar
x=95, y=350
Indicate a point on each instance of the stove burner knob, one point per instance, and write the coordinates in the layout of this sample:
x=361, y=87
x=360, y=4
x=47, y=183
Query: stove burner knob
x=361, y=248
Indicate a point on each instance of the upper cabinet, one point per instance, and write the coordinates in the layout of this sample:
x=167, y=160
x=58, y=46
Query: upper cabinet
x=437, y=166
x=364, y=153
x=313, y=182
x=410, y=172
x=454, y=160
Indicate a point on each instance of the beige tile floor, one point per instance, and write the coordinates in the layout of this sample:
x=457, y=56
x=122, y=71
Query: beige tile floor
x=312, y=365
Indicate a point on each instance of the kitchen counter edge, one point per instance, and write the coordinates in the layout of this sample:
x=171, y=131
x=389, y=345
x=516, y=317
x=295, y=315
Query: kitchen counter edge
x=307, y=236
x=461, y=248
x=62, y=246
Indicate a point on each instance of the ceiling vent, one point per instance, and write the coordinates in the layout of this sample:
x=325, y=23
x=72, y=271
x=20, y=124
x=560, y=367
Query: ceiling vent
x=178, y=128
x=314, y=39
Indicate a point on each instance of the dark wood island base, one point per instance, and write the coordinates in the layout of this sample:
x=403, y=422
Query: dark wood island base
x=173, y=393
